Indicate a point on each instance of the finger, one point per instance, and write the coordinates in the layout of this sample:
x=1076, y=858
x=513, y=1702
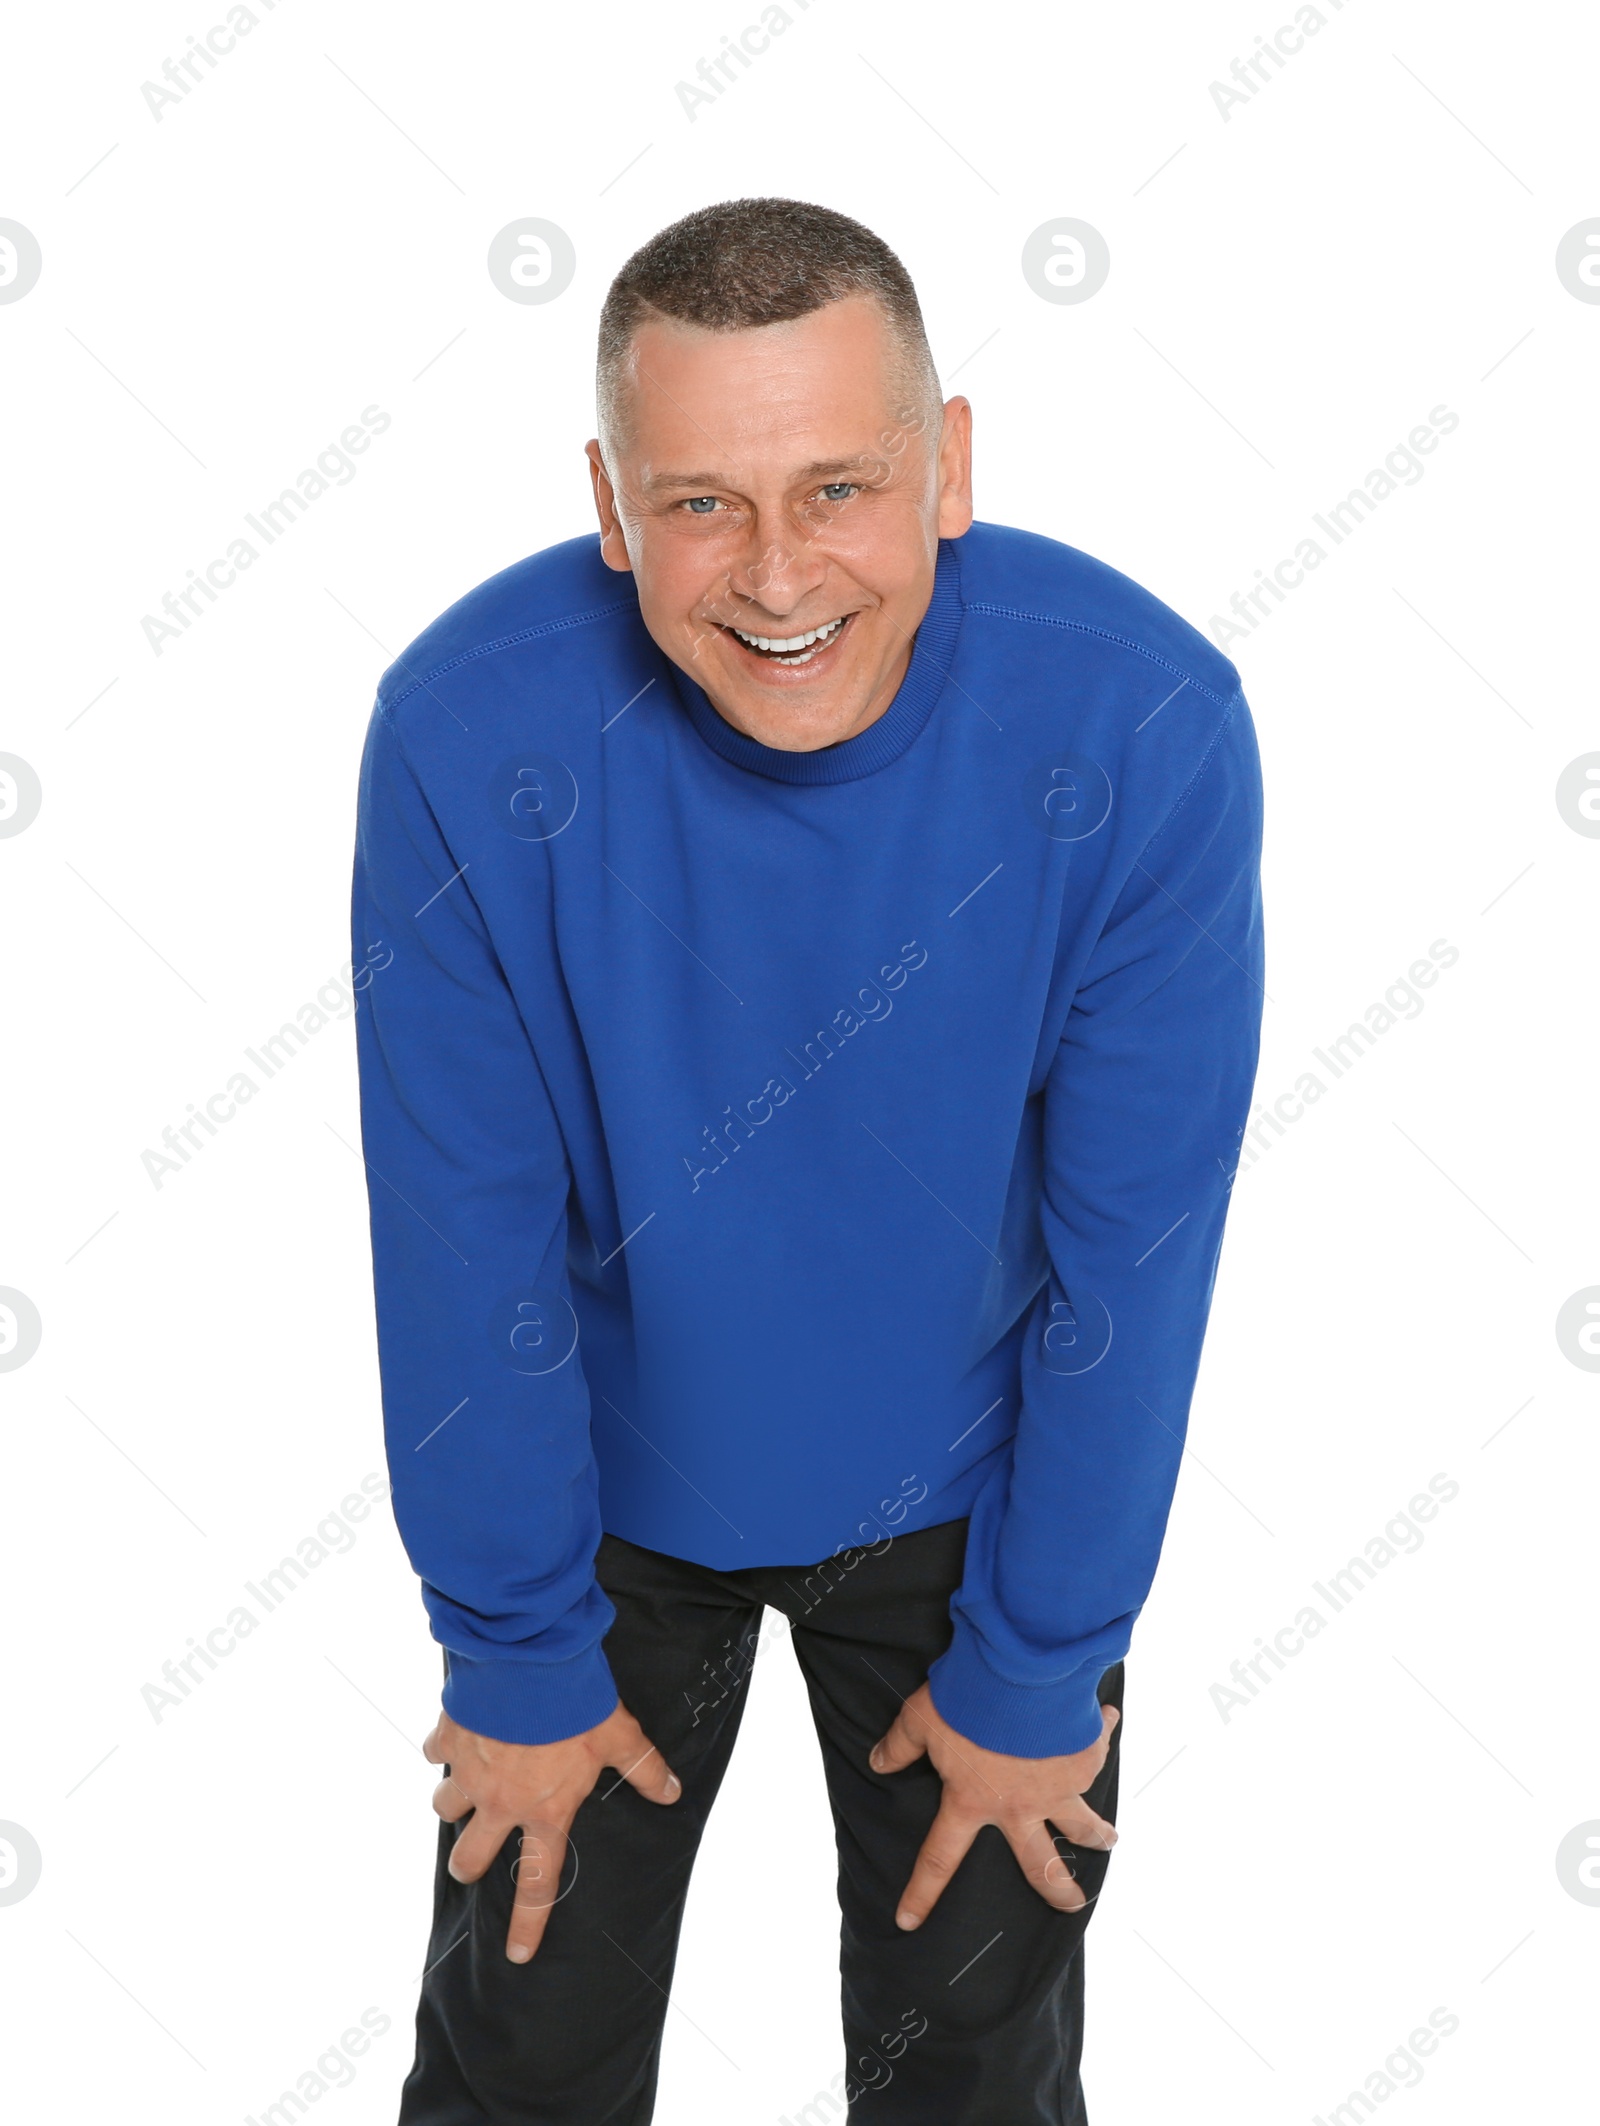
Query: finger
x=943, y=1851
x=1098, y=1750
x=434, y=1746
x=647, y=1771
x=901, y=1746
x=1044, y=1866
x=537, y=1870
x=450, y=1801
x=1081, y=1826
x=476, y=1846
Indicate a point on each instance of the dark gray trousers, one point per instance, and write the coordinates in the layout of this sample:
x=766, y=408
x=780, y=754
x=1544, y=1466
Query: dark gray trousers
x=974, y=2019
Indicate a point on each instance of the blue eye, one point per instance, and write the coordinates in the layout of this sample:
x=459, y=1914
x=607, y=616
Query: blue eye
x=702, y=505
x=839, y=490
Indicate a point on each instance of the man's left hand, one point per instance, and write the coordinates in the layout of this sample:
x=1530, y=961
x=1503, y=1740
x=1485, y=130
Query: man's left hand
x=1022, y=1796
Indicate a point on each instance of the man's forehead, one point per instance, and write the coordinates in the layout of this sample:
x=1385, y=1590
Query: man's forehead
x=818, y=387
x=849, y=319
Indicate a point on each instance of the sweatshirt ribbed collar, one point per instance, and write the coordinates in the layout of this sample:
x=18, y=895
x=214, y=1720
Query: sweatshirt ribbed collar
x=881, y=742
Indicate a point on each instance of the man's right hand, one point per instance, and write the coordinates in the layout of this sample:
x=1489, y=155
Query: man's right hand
x=537, y=1788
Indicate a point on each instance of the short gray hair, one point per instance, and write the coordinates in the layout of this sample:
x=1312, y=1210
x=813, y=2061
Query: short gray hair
x=753, y=262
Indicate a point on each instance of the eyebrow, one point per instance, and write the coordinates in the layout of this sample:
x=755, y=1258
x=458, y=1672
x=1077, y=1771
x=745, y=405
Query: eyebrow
x=685, y=479
x=819, y=469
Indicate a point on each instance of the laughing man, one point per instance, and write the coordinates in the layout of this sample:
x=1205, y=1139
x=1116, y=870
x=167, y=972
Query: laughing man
x=801, y=1107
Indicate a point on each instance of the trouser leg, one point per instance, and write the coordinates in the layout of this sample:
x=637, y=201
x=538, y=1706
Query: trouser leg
x=573, y=2038
x=976, y=2017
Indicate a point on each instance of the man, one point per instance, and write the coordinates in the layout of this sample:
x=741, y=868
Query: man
x=800, y=1109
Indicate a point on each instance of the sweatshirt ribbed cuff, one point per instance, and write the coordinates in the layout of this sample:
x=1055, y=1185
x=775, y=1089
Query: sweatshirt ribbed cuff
x=530, y=1701
x=1017, y=1719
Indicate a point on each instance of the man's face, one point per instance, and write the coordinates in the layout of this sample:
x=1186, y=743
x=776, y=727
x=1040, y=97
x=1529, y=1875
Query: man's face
x=772, y=487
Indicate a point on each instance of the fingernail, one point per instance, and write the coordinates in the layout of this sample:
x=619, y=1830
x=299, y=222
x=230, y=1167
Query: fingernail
x=674, y=1785
x=876, y=1759
x=519, y=1954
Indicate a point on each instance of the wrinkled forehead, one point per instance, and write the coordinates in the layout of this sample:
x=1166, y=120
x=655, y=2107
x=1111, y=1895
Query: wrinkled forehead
x=836, y=385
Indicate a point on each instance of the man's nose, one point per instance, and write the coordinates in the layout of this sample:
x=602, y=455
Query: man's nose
x=780, y=570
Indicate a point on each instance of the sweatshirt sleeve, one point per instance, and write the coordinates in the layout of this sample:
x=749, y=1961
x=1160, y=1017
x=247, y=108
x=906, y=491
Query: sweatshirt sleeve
x=1145, y=1107
x=486, y=1414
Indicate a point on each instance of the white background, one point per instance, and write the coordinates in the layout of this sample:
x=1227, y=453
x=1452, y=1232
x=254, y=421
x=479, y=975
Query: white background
x=1292, y=289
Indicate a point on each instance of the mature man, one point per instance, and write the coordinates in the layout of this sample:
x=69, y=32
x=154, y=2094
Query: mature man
x=800, y=1108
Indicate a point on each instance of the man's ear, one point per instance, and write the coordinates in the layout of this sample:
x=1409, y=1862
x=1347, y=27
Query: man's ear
x=955, y=470
x=613, y=547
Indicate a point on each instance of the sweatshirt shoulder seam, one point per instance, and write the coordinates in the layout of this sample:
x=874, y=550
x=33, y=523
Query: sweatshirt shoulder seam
x=1082, y=627
x=1205, y=761
x=501, y=642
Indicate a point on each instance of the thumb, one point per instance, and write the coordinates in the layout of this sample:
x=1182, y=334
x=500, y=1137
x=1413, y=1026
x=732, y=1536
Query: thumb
x=897, y=1749
x=649, y=1774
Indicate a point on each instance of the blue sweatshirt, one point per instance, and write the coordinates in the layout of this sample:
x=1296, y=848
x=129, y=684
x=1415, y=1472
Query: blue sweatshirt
x=774, y=1153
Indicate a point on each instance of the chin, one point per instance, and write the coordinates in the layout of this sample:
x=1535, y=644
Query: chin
x=789, y=740
x=800, y=728
x=788, y=708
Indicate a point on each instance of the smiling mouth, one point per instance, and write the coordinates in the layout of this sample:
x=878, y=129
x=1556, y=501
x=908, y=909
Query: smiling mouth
x=792, y=649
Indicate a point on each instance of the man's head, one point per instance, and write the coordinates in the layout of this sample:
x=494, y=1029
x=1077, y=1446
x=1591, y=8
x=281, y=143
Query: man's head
x=774, y=461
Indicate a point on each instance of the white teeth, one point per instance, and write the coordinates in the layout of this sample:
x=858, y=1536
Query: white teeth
x=781, y=644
